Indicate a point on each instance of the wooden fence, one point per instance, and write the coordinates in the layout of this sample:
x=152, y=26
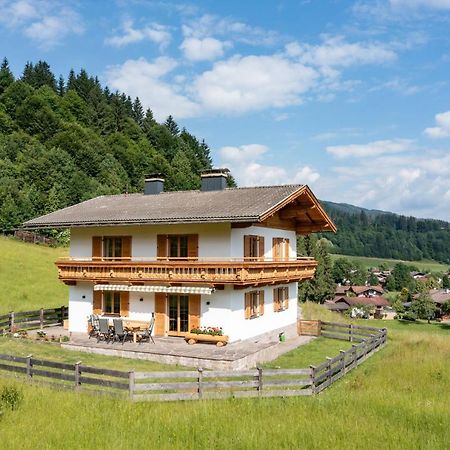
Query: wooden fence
x=35, y=238
x=205, y=384
x=28, y=320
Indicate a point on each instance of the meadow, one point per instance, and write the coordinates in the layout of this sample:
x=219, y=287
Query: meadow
x=368, y=262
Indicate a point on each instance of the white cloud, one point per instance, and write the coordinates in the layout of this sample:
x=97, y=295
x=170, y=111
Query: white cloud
x=375, y=148
x=334, y=51
x=245, y=83
x=442, y=129
x=46, y=23
x=205, y=49
x=243, y=161
x=159, y=34
x=148, y=81
x=433, y=4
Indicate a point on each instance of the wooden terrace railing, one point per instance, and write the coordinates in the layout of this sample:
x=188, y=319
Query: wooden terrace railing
x=250, y=271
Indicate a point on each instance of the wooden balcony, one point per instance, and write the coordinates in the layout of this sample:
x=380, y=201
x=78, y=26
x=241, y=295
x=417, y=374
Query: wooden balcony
x=222, y=271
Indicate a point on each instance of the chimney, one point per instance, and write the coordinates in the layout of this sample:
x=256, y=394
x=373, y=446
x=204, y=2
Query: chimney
x=154, y=184
x=214, y=179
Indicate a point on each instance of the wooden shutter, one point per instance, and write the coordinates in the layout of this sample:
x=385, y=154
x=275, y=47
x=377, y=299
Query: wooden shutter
x=160, y=314
x=193, y=246
x=286, y=298
x=194, y=311
x=96, y=247
x=276, y=299
x=286, y=249
x=247, y=246
x=275, y=248
x=126, y=247
x=124, y=304
x=261, y=302
x=247, y=305
x=97, y=302
x=261, y=247
x=161, y=250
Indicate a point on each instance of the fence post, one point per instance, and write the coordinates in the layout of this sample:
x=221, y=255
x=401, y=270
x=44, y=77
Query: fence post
x=11, y=322
x=312, y=378
x=344, y=369
x=260, y=379
x=77, y=375
x=328, y=371
x=131, y=383
x=41, y=318
x=351, y=333
x=355, y=354
x=63, y=308
x=200, y=383
x=29, y=367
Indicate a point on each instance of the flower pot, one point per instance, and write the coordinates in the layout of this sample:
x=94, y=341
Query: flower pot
x=193, y=338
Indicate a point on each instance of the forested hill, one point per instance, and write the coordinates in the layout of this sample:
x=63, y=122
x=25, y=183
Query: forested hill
x=64, y=141
x=363, y=232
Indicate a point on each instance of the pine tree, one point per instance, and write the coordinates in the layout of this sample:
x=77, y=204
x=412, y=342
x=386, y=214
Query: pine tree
x=172, y=126
x=138, y=111
x=6, y=76
x=71, y=80
x=39, y=75
x=61, y=86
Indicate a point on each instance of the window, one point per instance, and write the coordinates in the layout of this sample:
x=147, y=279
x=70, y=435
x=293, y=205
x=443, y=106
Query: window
x=280, y=248
x=178, y=246
x=112, y=247
x=111, y=303
x=253, y=247
x=280, y=299
x=254, y=304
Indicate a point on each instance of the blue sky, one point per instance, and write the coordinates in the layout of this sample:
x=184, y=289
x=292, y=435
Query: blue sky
x=350, y=97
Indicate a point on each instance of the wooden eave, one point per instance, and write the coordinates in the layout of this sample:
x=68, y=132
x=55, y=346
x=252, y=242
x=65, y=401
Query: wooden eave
x=302, y=212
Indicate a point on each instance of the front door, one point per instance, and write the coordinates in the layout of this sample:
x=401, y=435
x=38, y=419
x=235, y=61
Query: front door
x=178, y=314
x=183, y=314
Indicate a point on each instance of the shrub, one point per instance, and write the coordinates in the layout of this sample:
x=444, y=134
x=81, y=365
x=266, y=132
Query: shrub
x=10, y=397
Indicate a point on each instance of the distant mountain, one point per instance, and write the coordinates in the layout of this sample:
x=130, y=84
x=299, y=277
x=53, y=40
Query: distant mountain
x=368, y=232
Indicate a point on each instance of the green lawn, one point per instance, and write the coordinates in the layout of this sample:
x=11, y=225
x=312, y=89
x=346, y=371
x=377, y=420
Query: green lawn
x=398, y=399
x=29, y=278
x=367, y=262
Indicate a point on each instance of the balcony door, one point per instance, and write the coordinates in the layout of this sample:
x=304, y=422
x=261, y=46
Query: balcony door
x=280, y=249
x=176, y=314
x=177, y=246
x=111, y=248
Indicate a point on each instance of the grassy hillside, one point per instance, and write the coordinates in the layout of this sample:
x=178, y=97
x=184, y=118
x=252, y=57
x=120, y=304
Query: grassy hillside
x=367, y=262
x=398, y=399
x=29, y=278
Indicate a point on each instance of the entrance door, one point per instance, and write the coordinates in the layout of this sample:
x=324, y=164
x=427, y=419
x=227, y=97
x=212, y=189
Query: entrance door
x=178, y=314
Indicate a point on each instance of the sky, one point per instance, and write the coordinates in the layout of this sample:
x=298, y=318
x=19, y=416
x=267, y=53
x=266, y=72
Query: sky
x=349, y=97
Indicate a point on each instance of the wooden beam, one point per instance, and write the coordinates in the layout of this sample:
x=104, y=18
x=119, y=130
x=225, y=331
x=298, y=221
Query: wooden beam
x=312, y=228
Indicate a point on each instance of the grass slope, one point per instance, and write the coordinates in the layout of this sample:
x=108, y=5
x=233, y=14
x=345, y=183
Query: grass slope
x=398, y=399
x=29, y=278
x=368, y=262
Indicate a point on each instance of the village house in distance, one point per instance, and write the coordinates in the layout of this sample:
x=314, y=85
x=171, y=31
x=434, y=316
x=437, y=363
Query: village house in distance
x=218, y=257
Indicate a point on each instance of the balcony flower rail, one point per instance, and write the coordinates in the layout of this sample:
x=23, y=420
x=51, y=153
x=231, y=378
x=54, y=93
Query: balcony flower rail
x=237, y=271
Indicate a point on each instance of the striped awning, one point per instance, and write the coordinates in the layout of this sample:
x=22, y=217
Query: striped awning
x=165, y=289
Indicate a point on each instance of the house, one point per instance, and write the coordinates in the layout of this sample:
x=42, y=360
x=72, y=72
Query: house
x=359, y=291
x=221, y=257
x=343, y=303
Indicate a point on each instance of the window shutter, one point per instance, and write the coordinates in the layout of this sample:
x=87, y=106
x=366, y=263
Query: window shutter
x=275, y=249
x=193, y=246
x=261, y=302
x=261, y=247
x=247, y=244
x=194, y=311
x=161, y=250
x=96, y=247
x=124, y=304
x=97, y=302
x=275, y=300
x=126, y=247
x=160, y=314
x=247, y=305
x=286, y=298
x=286, y=248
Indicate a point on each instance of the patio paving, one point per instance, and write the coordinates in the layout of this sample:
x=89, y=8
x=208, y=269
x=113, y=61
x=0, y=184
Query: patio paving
x=174, y=350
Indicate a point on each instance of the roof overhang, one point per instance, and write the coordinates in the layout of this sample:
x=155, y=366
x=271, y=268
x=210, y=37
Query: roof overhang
x=304, y=211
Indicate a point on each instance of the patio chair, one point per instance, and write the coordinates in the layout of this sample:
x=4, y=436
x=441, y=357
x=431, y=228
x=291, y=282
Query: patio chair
x=120, y=334
x=94, y=325
x=147, y=334
x=104, y=333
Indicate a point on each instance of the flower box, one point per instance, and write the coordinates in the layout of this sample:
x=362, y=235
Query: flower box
x=193, y=338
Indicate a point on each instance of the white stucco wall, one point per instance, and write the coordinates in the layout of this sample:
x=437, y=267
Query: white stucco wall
x=237, y=240
x=80, y=306
x=213, y=239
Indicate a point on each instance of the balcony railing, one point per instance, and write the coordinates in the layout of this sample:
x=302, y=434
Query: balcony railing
x=243, y=272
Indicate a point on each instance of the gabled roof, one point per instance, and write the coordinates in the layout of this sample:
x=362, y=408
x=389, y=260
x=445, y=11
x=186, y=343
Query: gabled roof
x=242, y=205
x=354, y=301
x=362, y=289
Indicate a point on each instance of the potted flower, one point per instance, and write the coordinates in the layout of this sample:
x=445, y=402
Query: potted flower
x=207, y=334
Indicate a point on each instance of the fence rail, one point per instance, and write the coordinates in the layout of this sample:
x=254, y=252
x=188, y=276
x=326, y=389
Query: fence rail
x=203, y=384
x=28, y=320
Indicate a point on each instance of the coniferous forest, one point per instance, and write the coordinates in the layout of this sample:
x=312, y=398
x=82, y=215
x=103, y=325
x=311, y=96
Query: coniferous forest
x=65, y=140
